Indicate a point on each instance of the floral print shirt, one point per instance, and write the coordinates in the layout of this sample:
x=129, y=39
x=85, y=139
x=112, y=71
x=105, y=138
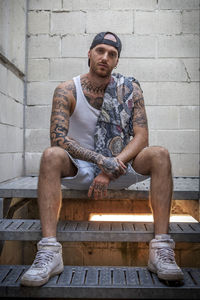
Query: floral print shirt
x=115, y=122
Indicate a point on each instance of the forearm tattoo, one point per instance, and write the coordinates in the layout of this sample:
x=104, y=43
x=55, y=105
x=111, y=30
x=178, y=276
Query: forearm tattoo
x=139, y=113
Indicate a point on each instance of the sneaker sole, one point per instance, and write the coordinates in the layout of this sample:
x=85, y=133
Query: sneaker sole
x=59, y=269
x=169, y=277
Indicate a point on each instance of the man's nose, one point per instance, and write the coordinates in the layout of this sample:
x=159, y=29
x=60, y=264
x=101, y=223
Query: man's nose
x=105, y=56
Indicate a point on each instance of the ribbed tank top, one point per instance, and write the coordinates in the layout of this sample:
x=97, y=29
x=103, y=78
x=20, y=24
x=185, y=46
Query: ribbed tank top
x=83, y=120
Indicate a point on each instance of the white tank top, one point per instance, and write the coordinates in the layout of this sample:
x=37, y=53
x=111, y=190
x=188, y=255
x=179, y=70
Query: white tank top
x=83, y=120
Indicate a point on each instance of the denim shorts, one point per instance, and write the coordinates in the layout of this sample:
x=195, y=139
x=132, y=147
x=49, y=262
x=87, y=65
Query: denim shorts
x=85, y=175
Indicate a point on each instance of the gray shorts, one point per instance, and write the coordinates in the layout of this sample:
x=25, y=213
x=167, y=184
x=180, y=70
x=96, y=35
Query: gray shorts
x=85, y=175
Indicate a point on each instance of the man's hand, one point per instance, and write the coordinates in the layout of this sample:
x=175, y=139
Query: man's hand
x=99, y=186
x=111, y=166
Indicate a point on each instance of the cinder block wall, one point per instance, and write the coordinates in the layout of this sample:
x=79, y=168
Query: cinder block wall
x=12, y=69
x=160, y=48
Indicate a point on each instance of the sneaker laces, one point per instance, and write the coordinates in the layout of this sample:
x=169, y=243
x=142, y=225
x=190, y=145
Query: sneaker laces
x=43, y=257
x=166, y=255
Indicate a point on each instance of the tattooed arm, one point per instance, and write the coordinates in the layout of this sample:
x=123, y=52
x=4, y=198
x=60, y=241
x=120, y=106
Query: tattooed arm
x=64, y=101
x=140, y=127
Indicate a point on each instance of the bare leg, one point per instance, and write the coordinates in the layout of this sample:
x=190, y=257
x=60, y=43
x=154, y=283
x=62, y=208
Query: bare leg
x=156, y=162
x=55, y=164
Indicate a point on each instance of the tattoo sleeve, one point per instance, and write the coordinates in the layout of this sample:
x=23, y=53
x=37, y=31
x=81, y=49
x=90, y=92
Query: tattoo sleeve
x=139, y=114
x=60, y=116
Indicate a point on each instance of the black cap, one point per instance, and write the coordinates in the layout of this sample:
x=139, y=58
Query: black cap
x=99, y=39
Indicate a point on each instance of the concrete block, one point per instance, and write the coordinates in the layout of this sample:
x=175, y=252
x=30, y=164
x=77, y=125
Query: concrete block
x=12, y=31
x=11, y=165
x=138, y=46
x=178, y=4
x=133, y=4
x=67, y=68
x=68, y=22
x=190, y=21
x=179, y=141
x=86, y=4
x=178, y=46
x=11, y=112
x=45, y=4
x=38, y=117
x=11, y=139
x=189, y=117
x=4, y=79
x=175, y=93
x=40, y=93
x=38, y=22
x=153, y=69
x=192, y=68
x=163, y=117
x=152, y=137
x=149, y=92
x=98, y=21
x=162, y=22
x=32, y=163
x=169, y=22
x=185, y=164
x=76, y=45
x=38, y=69
x=44, y=46
x=68, y=4
x=15, y=87
x=37, y=140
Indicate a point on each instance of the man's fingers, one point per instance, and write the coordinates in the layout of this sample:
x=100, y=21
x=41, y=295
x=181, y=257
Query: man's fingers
x=91, y=189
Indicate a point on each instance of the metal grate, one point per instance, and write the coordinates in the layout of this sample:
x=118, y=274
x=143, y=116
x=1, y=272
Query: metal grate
x=184, y=188
x=19, y=229
x=102, y=282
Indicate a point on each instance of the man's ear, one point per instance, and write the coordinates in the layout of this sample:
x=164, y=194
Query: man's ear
x=89, y=52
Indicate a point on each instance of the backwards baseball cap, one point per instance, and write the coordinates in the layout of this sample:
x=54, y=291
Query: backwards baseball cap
x=100, y=39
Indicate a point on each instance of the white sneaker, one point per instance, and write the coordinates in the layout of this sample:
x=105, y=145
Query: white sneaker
x=48, y=262
x=161, y=258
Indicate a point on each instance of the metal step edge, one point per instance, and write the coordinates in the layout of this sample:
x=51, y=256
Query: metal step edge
x=97, y=282
x=29, y=230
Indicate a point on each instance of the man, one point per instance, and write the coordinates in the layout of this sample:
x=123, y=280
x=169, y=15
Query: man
x=93, y=117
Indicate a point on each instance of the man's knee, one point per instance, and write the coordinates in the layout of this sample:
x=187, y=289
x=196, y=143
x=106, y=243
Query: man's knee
x=53, y=157
x=160, y=156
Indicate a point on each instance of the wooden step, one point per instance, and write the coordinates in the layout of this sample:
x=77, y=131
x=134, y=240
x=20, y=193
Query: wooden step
x=101, y=283
x=30, y=230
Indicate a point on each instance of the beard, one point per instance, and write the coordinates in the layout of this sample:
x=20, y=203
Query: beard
x=103, y=72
